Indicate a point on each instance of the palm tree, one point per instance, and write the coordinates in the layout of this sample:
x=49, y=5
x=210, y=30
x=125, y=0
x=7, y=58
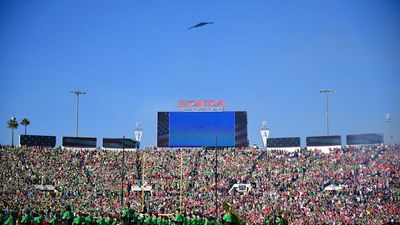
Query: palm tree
x=13, y=124
x=25, y=122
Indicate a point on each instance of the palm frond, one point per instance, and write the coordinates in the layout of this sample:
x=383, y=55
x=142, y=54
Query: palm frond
x=12, y=123
x=25, y=122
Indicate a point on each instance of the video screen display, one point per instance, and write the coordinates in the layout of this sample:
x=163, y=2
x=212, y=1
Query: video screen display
x=37, y=140
x=364, y=139
x=119, y=143
x=287, y=142
x=324, y=141
x=198, y=129
x=79, y=142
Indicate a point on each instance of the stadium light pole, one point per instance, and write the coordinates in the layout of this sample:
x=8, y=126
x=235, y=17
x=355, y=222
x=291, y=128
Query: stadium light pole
x=181, y=182
x=77, y=93
x=143, y=162
x=327, y=92
x=216, y=177
x=388, y=119
x=123, y=173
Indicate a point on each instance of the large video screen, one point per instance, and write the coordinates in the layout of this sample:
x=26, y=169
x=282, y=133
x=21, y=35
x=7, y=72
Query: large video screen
x=119, y=143
x=37, y=140
x=324, y=141
x=79, y=142
x=364, y=139
x=286, y=142
x=198, y=129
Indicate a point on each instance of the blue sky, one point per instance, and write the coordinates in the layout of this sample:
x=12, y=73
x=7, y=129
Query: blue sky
x=134, y=58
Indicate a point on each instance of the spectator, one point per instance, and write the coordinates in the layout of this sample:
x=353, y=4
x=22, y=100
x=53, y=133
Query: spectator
x=68, y=216
x=365, y=178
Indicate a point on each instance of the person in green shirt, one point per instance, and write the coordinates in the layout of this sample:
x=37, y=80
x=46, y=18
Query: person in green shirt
x=178, y=219
x=267, y=220
x=167, y=221
x=154, y=219
x=134, y=219
x=200, y=220
x=207, y=221
x=160, y=221
x=54, y=219
x=39, y=219
x=193, y=220
x=10, y=219
x=127, y=214
x=228, y=219
x=282, y=221
x=211, y=221
x=107, y=220
x=100, y=220
x=78, y=220
x=26, y=219
x=115, y=221
x=141, y=219
x=68, y=216
x=147, y=219
x=89, y=220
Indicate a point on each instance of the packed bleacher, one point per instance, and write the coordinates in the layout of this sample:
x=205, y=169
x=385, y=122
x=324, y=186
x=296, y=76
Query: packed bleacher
x=353, y=185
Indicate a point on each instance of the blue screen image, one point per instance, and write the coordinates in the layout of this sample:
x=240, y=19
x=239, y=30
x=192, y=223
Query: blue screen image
x=202, y=129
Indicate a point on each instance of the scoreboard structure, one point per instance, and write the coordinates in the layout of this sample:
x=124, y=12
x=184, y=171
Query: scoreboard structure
x=202, y=129
x=37, y=140
x=119, y=143
x=364, y=139
x=79, y=142
x=324, y=141
x=286, y=142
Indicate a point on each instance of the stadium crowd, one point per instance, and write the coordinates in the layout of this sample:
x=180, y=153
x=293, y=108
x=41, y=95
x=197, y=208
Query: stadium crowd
x=364, y=182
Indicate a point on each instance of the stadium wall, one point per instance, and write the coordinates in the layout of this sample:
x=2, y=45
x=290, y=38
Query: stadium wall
x=323, y=149
x=287, y=149
x=324, y=143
